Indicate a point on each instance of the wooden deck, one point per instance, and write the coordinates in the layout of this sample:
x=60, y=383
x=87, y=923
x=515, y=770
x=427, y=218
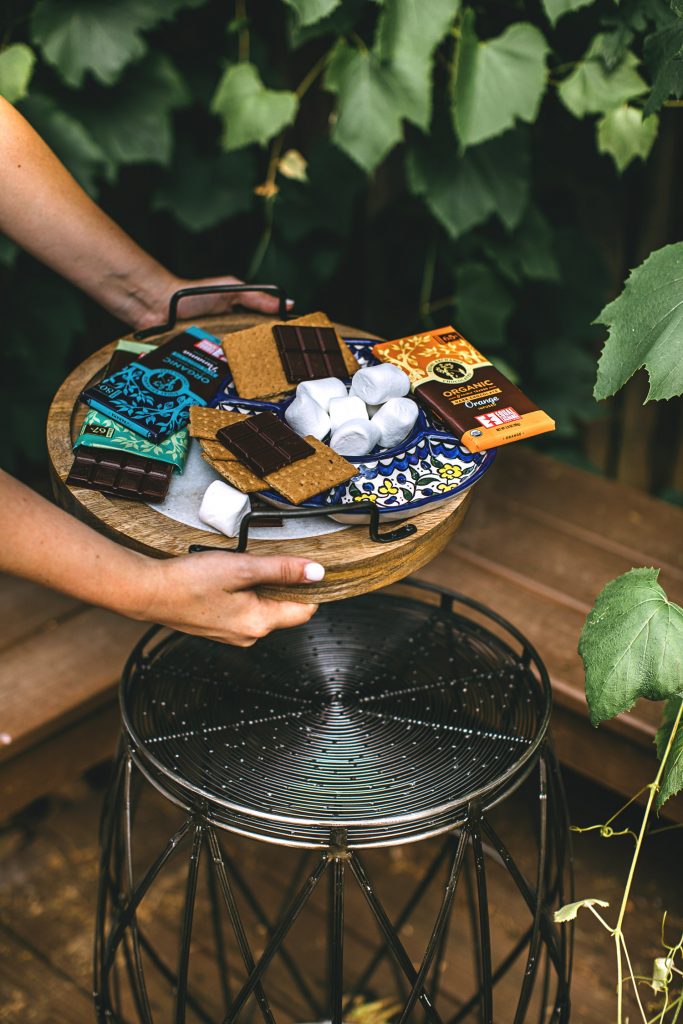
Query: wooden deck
x=48, y=868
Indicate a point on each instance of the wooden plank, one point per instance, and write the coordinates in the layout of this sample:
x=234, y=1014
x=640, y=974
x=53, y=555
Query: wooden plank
x=27, y=607
x=618, y=518
x=59, y=759
x=32, y=992
x=68, y=672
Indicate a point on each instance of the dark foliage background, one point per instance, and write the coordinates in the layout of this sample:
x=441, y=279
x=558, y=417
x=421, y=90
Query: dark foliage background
x=398, y=164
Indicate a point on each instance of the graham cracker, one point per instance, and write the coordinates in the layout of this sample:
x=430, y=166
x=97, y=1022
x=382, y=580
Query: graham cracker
x=255, y=362
x=216, y=451
x=302, y=479
x=296, y=482
x=238, y=475
x=206, y=422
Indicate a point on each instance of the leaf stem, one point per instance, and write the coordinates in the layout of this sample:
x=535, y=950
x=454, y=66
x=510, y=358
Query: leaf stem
x=618, y=932
x=313, y=73
x=243, y=37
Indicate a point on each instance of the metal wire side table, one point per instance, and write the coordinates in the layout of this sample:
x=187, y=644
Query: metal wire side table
x=388, y=719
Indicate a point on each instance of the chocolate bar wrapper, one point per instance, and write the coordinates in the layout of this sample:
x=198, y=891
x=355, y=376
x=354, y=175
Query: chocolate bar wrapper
x=153, y=394
x=472, y=399
x=99, y=431
x=125, y=352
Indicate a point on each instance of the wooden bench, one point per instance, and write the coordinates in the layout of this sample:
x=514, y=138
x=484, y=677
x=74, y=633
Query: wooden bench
x=539, y=542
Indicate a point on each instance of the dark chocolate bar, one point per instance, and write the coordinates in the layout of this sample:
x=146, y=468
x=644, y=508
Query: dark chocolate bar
x=471, y=398
x=309, y=353
x=263, y=443
x=120, y=474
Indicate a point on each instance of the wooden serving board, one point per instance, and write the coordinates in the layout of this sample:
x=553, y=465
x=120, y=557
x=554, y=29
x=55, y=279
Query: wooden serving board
x=354, y=564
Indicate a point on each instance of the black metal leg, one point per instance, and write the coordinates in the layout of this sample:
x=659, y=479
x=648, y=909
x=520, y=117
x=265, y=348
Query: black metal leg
x=276, y=940
x=188, y=916
x=236, y=920
x=486, y=979
x=390, y=934
x=439, y=926
x=336, y=952
x=218, y=936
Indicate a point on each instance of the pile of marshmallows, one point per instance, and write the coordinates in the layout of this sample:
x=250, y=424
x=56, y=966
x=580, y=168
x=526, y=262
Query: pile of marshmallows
x=374, y=411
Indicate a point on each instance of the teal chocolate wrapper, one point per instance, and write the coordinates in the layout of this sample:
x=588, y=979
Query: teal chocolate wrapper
x=98, y=431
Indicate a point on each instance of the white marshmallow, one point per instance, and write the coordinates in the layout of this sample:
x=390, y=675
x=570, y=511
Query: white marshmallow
x=354, y=437
x=376, y=384
x=350, y=407
x=322, y=391
x=224, y=508
x=306, y=417
x=395, y=420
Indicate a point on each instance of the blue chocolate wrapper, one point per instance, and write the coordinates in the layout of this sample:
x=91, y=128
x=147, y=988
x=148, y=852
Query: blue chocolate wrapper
x=153, y=395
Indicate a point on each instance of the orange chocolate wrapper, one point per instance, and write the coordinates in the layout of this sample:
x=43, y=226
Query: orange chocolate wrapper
x=473, y=399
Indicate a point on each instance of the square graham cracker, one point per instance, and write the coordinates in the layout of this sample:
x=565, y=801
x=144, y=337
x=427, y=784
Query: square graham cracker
x=255, y=362
x=205, y=423
x=297, y=482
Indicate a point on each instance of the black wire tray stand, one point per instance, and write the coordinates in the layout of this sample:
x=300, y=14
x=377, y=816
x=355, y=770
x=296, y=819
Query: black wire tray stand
x=386, y=720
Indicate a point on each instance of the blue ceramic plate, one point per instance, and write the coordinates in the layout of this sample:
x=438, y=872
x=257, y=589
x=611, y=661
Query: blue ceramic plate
x=428, y=467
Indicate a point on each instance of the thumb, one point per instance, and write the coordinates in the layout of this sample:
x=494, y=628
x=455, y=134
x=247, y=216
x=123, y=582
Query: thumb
x=278, y=569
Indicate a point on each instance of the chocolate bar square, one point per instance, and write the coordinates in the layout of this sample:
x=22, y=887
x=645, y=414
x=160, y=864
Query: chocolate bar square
x=263, y=443
x=120, y=474
x=309, y=353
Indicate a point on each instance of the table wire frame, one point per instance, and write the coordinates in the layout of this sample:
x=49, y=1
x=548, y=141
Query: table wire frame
x=473, y=705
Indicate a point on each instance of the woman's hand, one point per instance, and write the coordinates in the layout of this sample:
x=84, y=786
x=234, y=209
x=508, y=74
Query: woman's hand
x=206, y=305
x=211, y=594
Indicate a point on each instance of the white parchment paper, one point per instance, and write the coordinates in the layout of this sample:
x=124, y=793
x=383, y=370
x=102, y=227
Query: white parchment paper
x=187, y=490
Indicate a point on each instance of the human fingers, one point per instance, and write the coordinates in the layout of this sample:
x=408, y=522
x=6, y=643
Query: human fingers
x=247, y=571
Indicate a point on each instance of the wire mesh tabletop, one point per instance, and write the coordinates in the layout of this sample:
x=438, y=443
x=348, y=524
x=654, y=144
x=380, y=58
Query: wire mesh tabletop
x=384, y=715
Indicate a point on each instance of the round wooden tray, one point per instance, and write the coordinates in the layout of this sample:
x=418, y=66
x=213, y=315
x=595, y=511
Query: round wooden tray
x=354, y=563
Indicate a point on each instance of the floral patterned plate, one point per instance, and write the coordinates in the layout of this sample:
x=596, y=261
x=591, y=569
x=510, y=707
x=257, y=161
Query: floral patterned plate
x=430, y=466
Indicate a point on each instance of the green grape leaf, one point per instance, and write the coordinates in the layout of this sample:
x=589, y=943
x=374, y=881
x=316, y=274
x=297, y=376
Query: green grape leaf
x=16, y=69
x=81, y=36
x=645, y=327
x=132, y=123
x=592, y=89
x=528, y=253
x=251, y=112
x=555, y=9
x=624, y=135
x=408, y=32
x=368, y=119
x=337, y=24
x=69, y=138
x=664, y=57
x=483, y=303
x=497, y=81
x=463, y=191
x=631, y=645
x=569, y=911
x=308, y=12
x=203, y=191
x=672, y=776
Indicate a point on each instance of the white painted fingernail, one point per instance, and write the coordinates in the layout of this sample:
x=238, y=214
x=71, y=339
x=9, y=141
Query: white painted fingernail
x=314, y=572
x=290, y=302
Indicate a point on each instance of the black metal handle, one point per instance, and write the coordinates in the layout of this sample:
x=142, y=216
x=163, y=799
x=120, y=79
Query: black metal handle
x=406, y=530
x=211, y=289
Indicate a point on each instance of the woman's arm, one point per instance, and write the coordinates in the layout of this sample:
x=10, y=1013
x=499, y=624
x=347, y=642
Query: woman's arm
x=44, y=210
x=207, y=594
